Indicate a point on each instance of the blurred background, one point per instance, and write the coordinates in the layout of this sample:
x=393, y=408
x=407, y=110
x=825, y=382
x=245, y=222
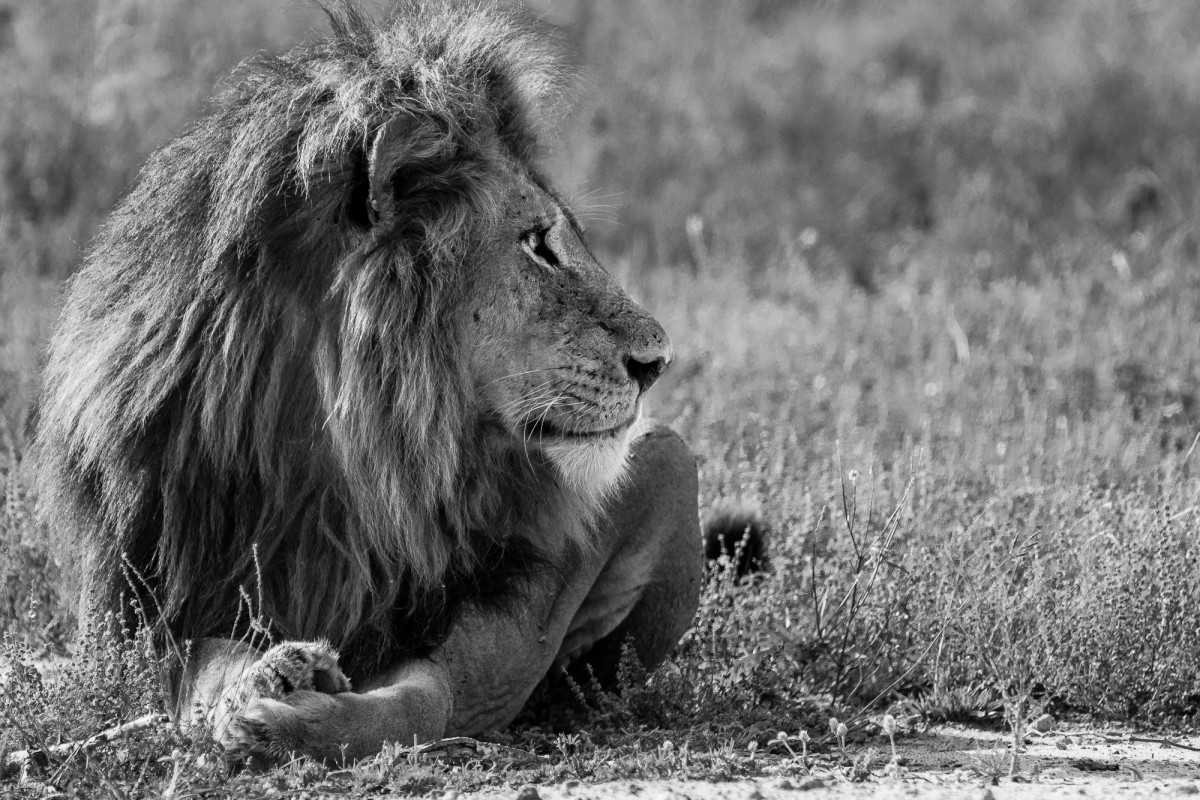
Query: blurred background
x=1007, y=138
x=988, y=126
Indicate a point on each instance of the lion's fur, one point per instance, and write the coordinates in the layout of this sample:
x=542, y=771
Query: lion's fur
x=250, y=390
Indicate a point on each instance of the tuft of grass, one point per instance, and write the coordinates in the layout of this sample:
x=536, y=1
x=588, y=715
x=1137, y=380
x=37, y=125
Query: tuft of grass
x=112, y=679
x=34, y=606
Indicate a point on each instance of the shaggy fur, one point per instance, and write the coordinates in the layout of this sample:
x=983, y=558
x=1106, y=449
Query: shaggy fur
x=254, y=397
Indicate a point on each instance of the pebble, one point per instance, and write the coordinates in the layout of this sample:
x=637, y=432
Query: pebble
x=528, y=792
x=1043, y=724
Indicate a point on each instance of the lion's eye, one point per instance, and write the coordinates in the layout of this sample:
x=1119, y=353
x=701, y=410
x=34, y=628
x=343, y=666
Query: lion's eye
x=535, y=245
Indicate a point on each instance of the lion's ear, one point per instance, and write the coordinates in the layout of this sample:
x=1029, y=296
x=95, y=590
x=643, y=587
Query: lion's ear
x=392, y=146
x=412, y=171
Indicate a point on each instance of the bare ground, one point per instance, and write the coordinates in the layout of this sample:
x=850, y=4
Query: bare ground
x=946, y=762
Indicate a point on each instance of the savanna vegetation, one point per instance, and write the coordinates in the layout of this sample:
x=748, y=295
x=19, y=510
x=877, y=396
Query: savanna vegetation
x=931, y=270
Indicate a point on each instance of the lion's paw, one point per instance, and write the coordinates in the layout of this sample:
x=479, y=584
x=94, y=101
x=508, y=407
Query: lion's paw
x=293, y=667
x=269, y=730
x=261, y=703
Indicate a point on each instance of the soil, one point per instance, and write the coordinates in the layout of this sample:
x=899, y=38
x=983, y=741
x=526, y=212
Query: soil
x=948, y=762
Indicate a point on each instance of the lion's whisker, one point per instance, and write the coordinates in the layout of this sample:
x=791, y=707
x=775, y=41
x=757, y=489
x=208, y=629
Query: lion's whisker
x=530, y=401
x=528, y=394
x=519, y=374
x=561, y=400
x=538, y=425
x=526, y=434
x=594, y=194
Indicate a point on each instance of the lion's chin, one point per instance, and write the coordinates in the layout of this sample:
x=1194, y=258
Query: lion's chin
x=594, y=466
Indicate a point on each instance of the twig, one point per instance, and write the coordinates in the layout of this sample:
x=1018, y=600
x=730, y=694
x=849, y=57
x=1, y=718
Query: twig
x=1147, y=740
x=1118, y=739
x=16, y=760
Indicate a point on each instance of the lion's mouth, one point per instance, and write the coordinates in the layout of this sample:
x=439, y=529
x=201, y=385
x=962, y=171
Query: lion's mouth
x=546, y=429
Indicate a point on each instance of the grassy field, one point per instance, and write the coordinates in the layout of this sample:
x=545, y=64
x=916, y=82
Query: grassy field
x=932, y=274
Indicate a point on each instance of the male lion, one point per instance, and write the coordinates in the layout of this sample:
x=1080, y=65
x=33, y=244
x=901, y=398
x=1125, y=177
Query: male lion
x=341, y=365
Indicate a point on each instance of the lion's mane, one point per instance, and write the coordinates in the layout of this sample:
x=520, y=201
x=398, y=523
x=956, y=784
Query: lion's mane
x=252, y=394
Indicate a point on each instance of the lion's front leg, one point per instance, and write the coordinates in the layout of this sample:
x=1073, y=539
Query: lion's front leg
x=648, y=592
x=293, y=699
x=641, y=584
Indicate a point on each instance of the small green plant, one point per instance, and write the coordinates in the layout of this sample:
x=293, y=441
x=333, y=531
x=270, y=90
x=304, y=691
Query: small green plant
x=991, y=765
x=888, y=726
x=803, y=738
x=839, y=730
x=860, y=770
x=574, y=749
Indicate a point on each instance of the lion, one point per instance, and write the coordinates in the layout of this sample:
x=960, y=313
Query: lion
x=341, y=405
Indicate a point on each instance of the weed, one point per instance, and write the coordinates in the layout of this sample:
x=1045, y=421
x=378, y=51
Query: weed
x=991, y=765
x=574, y=749
x=860, y=770
x=888, y=725
x=839, y=730
x=968, y=703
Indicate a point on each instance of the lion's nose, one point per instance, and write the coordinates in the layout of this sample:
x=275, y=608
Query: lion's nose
x=646, y=367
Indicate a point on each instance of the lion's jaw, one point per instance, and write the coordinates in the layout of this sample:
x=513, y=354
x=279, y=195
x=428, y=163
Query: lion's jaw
x=594, y=466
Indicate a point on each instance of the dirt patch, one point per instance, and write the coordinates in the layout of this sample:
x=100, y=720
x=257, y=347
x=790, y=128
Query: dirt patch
x=945, y=762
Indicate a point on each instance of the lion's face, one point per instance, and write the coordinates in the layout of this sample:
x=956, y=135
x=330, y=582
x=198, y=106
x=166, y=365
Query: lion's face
x=561, y=355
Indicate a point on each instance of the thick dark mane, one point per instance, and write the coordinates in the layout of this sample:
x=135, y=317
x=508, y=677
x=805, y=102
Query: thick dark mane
x=253, y=389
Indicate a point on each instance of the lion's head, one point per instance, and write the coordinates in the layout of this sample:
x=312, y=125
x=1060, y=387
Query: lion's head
x=337, y=336
x=559, y=353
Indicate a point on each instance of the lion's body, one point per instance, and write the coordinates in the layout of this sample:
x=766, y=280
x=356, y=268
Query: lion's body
x=341, y=365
